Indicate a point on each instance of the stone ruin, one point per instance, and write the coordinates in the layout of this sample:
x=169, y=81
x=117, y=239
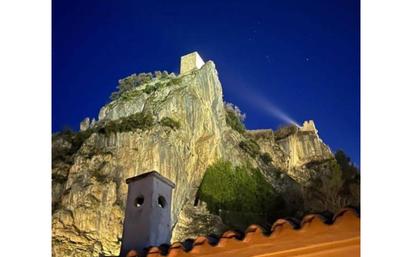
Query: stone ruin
x=190, y=62
x=309, y=126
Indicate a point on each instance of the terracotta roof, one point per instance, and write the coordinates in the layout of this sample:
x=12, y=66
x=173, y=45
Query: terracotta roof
x=314, y=235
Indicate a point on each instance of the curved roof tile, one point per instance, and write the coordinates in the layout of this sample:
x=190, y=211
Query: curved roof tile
x=315, y=235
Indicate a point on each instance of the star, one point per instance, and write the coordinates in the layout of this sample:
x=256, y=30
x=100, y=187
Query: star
x=307, y=59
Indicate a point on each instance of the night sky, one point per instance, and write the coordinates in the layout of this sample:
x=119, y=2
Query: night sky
x=301, y=56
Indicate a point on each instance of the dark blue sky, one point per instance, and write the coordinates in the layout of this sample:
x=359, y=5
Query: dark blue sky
x=302, y=56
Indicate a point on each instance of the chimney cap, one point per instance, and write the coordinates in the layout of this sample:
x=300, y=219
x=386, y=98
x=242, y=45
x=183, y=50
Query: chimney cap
x=151, y=173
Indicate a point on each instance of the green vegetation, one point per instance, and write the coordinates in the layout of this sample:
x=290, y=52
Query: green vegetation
x=56, y=206
x=135, y=121
x=350, y=174
x=335, y=184
x=125, y=88
x=134, y=81
x=150, y=88
x=129, y=95
x=240, y=189
x=154, y=87
x=99, y=175
x=324, y=190
x=175, y=81
x=250, y=147
x=130, y=83
x=265, y=157
x=76, y=140
x=169, y=122
x=234, y=118
x=284, y=132
x=234, y=122
x=161, y=74
x=114, y=96
x=58, y=178
x=349, y=171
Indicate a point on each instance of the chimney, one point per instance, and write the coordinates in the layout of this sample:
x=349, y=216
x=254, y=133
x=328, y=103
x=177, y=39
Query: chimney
x=148, y=212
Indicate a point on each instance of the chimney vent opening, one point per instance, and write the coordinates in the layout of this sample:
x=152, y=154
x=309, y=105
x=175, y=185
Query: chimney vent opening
x=139, y=201
x=161, y=201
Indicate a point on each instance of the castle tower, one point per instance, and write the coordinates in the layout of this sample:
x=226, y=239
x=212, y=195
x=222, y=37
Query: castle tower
x=148, y=212
x=190, y=62
x=309, y=126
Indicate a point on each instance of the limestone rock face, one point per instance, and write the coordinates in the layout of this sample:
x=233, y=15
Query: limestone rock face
x=292, y=147
x=89, y=189
x=267, y=142
x=85, y=124
x=60, y=167
x=303, y=147
x=91, y=200
x=196, y=221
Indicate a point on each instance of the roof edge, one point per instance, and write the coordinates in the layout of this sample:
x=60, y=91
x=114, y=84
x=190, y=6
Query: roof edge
x=151, y=173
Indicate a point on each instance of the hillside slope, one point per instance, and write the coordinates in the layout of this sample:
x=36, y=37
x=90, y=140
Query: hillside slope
x=178, y=127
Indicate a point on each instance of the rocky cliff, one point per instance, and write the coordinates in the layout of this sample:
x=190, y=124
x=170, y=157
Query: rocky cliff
x=177, y=126
x=292, y=147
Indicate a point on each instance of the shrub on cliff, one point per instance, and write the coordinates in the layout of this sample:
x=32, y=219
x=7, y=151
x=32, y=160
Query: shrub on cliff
x=149, y=89
x=250, y=147
x=161, y=74
x=329, y=189
x=349, y=171
x=239, y=189
x=323, y=192
x=133, y=81
x=284, y=132
x=350, y=177
x=235, y=118
x=135, y=121
x=173, y=80
x=169, y=122
x=75, y=139
x=265, y=157
x=130, y=83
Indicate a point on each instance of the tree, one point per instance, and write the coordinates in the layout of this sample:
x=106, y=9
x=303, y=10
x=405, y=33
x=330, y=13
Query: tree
x=325, y=191
x=349, y=171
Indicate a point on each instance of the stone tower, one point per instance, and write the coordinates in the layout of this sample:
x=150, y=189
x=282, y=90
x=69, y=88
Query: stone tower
x=309, y=126
x=190, y=62
x=148, y=208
